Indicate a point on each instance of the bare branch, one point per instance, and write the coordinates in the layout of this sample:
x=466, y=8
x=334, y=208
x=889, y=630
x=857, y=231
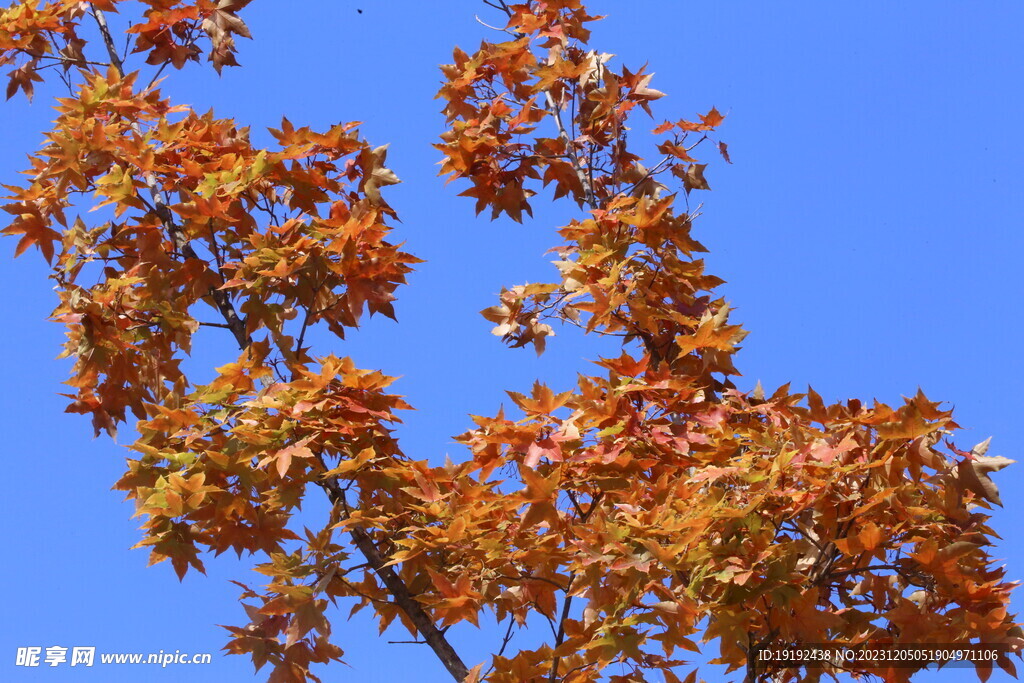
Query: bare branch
x=581, y=174
x=560, y=636
x=493, y=28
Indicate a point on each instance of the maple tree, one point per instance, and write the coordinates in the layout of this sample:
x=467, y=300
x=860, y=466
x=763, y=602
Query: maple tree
x=646, y=511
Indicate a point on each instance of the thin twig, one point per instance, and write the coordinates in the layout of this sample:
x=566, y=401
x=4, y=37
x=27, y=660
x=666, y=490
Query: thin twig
x=156, y=76
x=504, y=644
x=493, y=28
x=861, y=570
x=567, y=603
x=560, y=636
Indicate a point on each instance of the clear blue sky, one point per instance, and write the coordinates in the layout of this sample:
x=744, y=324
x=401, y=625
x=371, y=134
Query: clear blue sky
x=869, y=230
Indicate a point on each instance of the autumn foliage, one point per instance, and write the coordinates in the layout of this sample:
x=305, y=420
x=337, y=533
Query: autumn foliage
x=651, y=509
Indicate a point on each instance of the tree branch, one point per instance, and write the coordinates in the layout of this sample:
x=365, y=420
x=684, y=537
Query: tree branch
x=861, y=570
x=581, y=175
x=221, y=299
x=560, y=636
x=424, y=624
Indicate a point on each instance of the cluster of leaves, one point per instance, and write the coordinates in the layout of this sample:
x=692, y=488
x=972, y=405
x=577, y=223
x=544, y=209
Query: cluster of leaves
x=203, y=224
x=643, y=511
x=48, y=35
x=187, y=192
x=660, y=496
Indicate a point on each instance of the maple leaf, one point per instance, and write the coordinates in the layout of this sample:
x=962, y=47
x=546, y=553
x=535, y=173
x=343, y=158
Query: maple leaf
x=22, y=79
x=973, y=473
x=375, y=175
x=712, y=119
x=692, y=176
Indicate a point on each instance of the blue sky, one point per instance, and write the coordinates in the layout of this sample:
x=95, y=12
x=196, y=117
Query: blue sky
x=869, y=231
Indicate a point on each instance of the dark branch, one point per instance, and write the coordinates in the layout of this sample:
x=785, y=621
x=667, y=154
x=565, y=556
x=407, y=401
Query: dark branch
x=422, y=621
